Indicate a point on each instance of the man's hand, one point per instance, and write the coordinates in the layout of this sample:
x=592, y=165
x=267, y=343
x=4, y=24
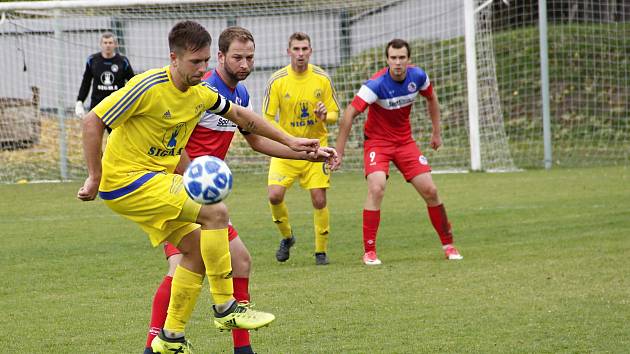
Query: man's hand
x=303, y=144
x=89, y=190
x=320, y=111
x=436, y=141
x=79, y=110
x=325, y=154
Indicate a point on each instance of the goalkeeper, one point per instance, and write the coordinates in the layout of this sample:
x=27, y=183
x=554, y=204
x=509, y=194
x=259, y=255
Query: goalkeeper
x=152, y=118
x=390, y=94
x=106, y=71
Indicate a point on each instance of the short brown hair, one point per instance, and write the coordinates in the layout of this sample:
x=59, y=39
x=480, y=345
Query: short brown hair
x=397, y=43
x=108, y=35
x=188, y=35
x=231, y=34
x=299, y=36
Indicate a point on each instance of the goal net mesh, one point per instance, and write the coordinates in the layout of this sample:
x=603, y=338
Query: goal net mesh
x=45, y=50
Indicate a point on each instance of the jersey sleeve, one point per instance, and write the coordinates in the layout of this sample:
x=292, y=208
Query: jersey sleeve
x=128, y=69
x=215, y=103
x=85, y=82
x=270, y=100
x=331, y=103
x=365, y=97
x=123, y=104
x=424, y=84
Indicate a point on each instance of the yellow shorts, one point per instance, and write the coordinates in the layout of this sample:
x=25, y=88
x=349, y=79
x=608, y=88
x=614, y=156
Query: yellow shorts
x=161, y=207
x=311, y=175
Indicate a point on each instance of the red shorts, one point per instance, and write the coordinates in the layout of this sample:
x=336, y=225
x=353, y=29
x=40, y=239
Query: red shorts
x=407, y=157
x=170, y=250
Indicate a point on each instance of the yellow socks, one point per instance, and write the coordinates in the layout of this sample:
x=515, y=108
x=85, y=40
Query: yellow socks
x=322, y=225
x=215, y=251
x=280, y=216
x=185, y=289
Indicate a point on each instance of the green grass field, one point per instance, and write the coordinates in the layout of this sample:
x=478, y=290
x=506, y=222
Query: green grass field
x=545, y=270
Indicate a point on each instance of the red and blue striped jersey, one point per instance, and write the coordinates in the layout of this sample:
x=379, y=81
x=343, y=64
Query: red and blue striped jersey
x=390, y=103
x=213, y=134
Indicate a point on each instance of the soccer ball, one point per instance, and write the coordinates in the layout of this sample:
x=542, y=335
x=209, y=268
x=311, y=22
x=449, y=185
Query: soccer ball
x=208, y=180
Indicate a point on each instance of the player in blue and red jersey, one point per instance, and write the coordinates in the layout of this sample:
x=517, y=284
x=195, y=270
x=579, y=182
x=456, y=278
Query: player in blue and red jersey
x=212, y=136
x=390, y=94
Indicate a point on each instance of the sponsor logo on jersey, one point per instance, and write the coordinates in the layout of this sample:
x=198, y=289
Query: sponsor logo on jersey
x=198, y=108
x=170, y=140
x=411, y=87
x=107, y=82
x=114, y=68
x=224, y=123
x=287, y=96
x=318, y=93
x=304, y=109
x=107, y=78
x=167, y=115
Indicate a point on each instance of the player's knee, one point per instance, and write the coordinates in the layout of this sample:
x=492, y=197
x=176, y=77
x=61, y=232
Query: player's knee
x=214, y=216
x=376, y=191
x=429, y=193
x=275, y=198
x=241, y=265
x=319, y=203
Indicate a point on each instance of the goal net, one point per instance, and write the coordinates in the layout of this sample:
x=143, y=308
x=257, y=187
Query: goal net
x=45, y=46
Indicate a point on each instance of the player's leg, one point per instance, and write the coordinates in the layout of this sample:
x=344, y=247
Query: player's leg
x=162, y=296
x=281, y=176
x=316, y=179
x=416, y=170
x=372, y=215
x=241, y=268
x=376, y=157
x=241, y=265
x=425, y=186
x=204, y=250
x=321, y=223
x=214, y=249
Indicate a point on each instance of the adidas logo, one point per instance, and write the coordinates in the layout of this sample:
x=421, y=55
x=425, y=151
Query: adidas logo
x=230, y=323
x=287, y=96
x=167, y=115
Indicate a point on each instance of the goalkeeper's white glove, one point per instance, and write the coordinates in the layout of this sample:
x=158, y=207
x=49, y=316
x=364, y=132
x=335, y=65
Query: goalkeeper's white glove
x=79, y=110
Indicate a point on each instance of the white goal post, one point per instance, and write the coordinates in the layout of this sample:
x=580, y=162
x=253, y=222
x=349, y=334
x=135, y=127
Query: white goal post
x=45, y=46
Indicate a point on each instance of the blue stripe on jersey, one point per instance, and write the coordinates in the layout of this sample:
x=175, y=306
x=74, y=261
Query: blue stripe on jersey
x=386, y=88
x=117, y=193
x=123, y=104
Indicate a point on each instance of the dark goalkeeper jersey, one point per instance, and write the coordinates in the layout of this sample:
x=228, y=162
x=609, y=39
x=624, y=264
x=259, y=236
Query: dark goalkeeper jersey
x=106, y=76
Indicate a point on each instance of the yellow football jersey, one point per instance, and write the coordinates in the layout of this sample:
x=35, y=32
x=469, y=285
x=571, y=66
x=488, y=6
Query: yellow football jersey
x=151, y=121
x=295, y=96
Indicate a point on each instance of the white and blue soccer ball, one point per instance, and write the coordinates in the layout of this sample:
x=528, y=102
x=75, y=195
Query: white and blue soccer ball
x=208, y=180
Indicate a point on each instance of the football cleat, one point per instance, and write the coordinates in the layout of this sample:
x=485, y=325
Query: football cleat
x=452, y=254
x=161, y=345
x=241, y=316
x=369, y=258
x=321, y=258
x=282, y=254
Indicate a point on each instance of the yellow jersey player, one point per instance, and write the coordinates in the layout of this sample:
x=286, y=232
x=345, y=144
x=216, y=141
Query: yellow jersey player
x=302, y=97
x=152, y=118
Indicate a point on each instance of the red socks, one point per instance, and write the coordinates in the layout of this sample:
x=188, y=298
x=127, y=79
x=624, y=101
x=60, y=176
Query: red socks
x=438, y=217
x=160, y=306
x=241, y=292
x=371, y=220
